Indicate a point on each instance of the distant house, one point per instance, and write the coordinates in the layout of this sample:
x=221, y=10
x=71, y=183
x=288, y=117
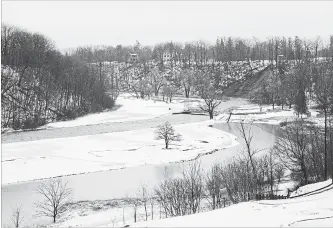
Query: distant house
x=167, y=56
x=133, y=58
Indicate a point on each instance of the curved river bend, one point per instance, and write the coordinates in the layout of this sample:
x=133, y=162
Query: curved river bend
x=124, y=182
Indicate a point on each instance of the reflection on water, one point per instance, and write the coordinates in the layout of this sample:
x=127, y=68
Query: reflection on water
x=125, y=182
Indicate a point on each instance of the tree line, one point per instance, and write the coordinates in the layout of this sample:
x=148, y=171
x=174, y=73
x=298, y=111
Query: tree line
x=225, y=49
x=39, y=83
x=297, y=85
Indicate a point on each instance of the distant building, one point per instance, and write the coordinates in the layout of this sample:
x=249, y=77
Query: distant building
x=133, y=58
x=167, y=56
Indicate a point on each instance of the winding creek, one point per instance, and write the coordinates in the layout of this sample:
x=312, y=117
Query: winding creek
x=124, y=182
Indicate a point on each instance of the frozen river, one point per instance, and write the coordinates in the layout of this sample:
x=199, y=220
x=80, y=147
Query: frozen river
x=124, y=182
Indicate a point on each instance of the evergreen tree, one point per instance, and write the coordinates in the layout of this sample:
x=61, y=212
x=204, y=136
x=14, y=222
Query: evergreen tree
x=300, y=102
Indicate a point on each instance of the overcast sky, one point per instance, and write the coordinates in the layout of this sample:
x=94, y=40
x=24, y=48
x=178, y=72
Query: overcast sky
x=77, y=23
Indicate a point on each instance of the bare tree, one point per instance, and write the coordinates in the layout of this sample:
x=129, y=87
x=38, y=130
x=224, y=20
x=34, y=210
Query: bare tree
x=169, y=91
x=182, y=195
x=17, y=217
x=214, y=186
x=331, y=145
x=187, y=81
x=324, y=96
x=152, y=202
x=56, y=195
x=135, y=203
x=192, y=175
x=167, y=133
x=291, y=147
x=211, y=95
x=156, y=80
x=250, y=152
x=238, y=179
x=144, y=197
x=279, y=172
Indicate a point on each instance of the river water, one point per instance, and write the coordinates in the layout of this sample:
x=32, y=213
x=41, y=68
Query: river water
x=125, y=182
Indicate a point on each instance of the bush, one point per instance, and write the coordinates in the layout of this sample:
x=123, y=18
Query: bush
x=33, y=122
x=69, y=113
x=107, y=102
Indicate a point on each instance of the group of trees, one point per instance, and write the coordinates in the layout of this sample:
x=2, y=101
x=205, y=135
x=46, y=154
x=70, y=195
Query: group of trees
x=182, y=195
x=303, y=149
x=55, y=196
x=38, y=83
x=299, y=148
x=297, y=84
x=225, y=49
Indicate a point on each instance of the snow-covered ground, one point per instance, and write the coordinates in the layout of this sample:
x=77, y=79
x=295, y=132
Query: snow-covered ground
x=64, y=156
x=310, y=188
x=309, y=211
x=131, y=109
x=314, y=210
x=265, y=114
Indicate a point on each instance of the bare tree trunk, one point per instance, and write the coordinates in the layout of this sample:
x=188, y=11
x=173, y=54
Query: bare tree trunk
x=325, y=146
x=152, y=210
x=211, y=115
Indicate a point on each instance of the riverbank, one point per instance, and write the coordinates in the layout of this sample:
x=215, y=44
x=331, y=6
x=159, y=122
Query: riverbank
x=76, y=155
x=314, y=210
x=253, y=113
x=127, y=179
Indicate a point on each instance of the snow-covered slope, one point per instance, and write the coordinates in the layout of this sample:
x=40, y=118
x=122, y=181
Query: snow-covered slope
x=311, y=188
x=314, y=210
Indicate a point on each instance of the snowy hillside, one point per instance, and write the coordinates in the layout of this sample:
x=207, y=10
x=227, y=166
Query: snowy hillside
x=313, y=210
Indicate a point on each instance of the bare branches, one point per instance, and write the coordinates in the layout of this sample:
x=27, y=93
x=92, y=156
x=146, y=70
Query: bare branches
x=182, y=195
x=17, y=217
x=56, y=195
x=211, y=95
x=299, y=149
x=249, y=150
x=167, y=133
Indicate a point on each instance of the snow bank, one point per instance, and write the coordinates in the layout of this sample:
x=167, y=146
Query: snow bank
x=265, y=114
x=310, y=211
x=315, y=210
x=131, y=109
x=310, y=188
x=26, y=161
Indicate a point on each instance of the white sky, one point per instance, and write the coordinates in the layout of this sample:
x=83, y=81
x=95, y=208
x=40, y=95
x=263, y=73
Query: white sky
x=76, y=23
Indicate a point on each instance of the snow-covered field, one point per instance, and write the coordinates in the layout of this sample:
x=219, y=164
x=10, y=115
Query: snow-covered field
x=311, y=211
x=131, y=109
x=45, y=158
x=64, y=156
